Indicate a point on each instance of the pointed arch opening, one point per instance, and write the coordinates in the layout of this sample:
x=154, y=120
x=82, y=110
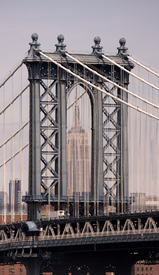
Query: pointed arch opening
x=79, y=149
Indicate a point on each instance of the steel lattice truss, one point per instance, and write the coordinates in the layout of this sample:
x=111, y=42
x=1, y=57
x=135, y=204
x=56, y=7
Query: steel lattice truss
x=111, y=152
x=69, y=233
x=48, y=131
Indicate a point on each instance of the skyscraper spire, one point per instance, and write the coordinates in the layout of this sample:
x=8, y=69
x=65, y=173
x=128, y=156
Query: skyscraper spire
x=76, y=125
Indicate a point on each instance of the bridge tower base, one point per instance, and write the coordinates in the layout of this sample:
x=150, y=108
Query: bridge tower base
x=33, y=265
x=125, y=269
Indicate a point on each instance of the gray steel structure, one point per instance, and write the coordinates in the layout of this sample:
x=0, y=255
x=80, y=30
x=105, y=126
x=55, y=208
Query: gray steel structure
x=49, y=88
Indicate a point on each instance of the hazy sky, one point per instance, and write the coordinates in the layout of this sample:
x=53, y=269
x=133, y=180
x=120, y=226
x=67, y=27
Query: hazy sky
x=79, y=21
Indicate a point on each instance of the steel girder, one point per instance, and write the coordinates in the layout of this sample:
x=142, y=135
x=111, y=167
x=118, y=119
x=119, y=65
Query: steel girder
x=49, y=133
x=111, y=151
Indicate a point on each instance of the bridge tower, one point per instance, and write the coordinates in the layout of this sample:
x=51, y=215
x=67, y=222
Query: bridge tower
x=50, y=86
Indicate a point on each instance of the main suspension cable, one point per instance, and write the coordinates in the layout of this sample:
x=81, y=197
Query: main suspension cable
x=113, y=83
x=14, y=155
x=143, y=66
x=76, y=100
x=12, y=101
x=99, y=89
x=12, y=73
x=14, y=134
x=131, y=73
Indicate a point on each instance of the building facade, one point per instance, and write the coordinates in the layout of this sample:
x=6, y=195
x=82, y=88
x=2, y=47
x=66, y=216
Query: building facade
x=15, y=196
x=142, y=269
x=78, y=158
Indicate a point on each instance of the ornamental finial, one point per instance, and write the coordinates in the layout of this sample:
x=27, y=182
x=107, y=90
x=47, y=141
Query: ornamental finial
x=122, y=49
x=60, y=46
x=34, y=46
x=97, y=48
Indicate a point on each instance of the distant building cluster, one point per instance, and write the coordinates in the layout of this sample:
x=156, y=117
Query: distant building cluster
x=12, y=203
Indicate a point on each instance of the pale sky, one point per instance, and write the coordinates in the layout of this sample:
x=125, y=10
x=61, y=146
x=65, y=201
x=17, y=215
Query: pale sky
x=79, y=21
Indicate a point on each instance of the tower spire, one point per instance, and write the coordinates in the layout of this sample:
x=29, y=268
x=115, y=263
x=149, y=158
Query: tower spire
x=76, y=125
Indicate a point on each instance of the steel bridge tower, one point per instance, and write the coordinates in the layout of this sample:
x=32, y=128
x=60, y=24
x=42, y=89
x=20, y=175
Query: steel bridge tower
x=50, y=86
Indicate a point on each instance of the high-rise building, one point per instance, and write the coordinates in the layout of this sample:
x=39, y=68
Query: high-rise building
x=78, y=158
x=15, y=195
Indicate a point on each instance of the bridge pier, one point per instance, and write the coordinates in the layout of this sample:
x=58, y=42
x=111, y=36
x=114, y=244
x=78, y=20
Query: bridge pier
x=124, y=268
x=33, y=265
x=60, y=270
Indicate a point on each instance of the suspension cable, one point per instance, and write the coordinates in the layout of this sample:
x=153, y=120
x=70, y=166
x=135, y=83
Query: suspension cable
x=25, y=124
x=12, y=101
x=13, y=156
x=113, y=83
x=131, y=73
x=14, y=134
x=76, y=100
x=143, y=66
x=99, y=89
x=20, y=64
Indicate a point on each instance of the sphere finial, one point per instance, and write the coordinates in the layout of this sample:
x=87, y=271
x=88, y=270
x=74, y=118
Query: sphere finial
x=60, y=46
x=97, y=48
x=35, y=37
x=60, y=38
x=97, y=40
x=122, y=42
x=122, y=49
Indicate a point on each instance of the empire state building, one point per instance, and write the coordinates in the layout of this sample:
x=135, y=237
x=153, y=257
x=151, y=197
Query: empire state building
x=78, y=158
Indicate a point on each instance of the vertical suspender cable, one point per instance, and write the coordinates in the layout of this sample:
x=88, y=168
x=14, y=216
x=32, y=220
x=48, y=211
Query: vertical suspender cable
x=68, y=184
x=137, y=154
x=21, y=152
x=131, y=160
x=4, y=166
x=89, y=115
x=94, y=139
x=147, y=143
x=58, y=90
x=141, y=153
x=121, y=194
x=11, y=153
x=157, y=150
x=83, y=110
x=151, y=150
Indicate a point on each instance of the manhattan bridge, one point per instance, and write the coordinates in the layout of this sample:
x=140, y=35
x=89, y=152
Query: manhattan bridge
x=79, y=112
